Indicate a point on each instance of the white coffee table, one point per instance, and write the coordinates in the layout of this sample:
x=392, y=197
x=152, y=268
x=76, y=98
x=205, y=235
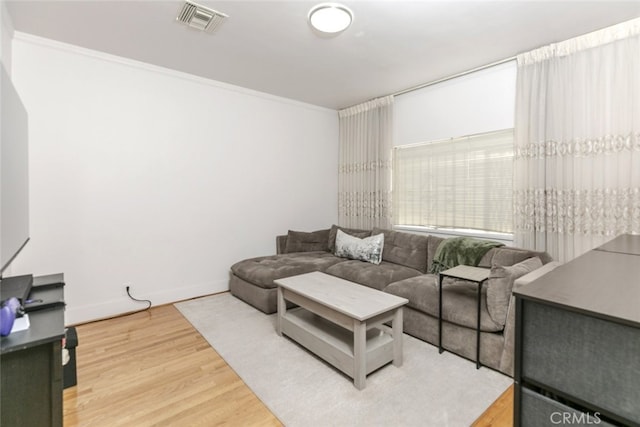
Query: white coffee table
x=342, y=322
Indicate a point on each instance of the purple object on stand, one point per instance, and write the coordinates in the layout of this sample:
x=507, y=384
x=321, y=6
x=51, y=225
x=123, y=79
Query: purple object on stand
x=8, y=315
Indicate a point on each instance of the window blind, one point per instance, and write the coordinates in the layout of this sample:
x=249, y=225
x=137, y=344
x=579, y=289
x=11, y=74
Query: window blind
x=460, y=183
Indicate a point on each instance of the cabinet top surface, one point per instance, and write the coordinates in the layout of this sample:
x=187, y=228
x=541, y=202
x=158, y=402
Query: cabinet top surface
x=626, y=244
x=600, y=282
x=351, y=299
x=46, y=326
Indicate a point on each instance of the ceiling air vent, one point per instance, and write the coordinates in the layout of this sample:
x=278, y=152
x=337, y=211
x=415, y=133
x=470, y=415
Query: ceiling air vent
x=200, y=17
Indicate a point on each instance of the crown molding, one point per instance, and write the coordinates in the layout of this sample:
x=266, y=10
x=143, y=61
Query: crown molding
x=115, y=59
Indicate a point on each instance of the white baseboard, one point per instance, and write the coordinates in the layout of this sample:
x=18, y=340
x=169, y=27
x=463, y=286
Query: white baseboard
x=124, y=305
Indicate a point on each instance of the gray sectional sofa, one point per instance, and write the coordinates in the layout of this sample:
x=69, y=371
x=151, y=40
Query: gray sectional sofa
x=407, y=260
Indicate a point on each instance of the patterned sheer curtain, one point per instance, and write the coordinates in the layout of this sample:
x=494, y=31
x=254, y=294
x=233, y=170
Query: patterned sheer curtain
x=577, y=142
x=364, y=195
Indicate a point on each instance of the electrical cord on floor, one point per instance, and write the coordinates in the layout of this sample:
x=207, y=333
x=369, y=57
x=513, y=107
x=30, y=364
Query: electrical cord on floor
x=139, y=300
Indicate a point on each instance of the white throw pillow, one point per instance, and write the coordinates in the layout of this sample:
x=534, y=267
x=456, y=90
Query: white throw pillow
x=367, y=249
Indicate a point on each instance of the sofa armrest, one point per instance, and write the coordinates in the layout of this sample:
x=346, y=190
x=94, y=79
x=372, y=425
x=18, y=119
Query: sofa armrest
x=281, y=244
x=506, y=363
x=534, y=275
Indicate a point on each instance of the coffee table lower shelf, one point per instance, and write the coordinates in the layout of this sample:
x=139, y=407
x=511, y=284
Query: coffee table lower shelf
x=334, y=343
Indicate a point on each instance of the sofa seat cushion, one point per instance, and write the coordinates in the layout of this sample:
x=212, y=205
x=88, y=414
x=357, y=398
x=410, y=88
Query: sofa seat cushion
x=459, y=300
x=262, y=271
x=374, y=276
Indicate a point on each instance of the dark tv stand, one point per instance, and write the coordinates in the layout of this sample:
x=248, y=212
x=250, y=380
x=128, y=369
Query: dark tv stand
x=31, y=360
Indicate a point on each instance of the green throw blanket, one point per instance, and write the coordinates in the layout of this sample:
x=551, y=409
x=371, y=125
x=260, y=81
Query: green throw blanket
x=460, y=251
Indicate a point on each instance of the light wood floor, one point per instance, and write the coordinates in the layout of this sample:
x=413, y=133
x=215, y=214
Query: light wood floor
x=500, y=414
x=154, y=368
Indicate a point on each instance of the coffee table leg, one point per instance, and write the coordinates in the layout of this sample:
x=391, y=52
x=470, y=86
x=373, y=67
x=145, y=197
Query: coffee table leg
x=397, y=337
x=359, y=354
x=282, y=307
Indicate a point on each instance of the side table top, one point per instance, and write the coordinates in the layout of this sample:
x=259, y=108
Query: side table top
x=467, y=272
x=354, y=300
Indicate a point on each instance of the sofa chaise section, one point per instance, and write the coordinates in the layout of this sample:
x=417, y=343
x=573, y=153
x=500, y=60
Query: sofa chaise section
x=252, y=279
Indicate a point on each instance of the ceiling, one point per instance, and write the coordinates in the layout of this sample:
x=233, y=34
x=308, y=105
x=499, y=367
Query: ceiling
x=268, y=46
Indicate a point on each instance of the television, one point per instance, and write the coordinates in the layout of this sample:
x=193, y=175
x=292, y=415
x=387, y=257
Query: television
x=14, y=173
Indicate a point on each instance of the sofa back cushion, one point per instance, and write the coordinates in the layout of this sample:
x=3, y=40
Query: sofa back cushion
x=500, y=285
x=432, y=247
x=350, y=231
x=509, y=256
x=405, y=249
x=300, y=241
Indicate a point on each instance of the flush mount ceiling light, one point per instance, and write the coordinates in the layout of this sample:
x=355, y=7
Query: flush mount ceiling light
x=330, y=17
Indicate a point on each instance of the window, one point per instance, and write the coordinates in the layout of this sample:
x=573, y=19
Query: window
x=461, y=183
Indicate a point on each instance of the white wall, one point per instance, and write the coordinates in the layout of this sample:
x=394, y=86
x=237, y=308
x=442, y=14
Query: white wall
x=158, y=179
x=479, y=102
x=6, y=36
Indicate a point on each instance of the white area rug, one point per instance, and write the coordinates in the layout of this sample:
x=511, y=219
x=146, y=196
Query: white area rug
x=430, y=389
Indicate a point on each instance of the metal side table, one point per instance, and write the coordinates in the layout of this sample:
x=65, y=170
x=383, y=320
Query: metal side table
x=471, y=274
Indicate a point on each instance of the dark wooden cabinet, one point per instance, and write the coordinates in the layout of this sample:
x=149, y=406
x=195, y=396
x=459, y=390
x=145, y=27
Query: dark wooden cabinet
x=31, y=361
x=578, y=341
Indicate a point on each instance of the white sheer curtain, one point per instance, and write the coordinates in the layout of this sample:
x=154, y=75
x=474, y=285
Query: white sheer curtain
x=364, y=194
x=577, y=142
